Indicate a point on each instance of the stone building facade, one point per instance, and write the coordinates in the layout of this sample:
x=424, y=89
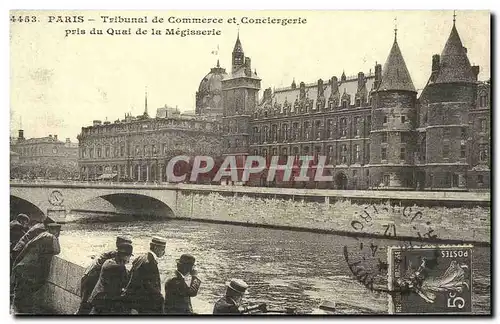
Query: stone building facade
x=44, y=150
x=374, y=129
x=44, y=157
x=139, y=148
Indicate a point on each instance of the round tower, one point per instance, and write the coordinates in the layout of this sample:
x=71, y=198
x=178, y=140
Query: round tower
x=449, y=95
x=393, y=125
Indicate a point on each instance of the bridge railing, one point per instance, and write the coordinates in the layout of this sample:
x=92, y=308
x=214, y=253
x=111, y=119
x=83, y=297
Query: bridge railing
x=348, y=194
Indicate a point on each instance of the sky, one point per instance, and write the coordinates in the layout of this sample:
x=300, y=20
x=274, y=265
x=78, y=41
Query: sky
x=60, y=84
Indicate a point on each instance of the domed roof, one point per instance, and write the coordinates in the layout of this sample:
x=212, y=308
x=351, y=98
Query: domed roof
x=211, y=83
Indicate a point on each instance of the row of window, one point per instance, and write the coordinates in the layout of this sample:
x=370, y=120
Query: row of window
x=120, y=151
x=308, y=130
x=344, y=155
x=307, y=107
x=25, y=151
x=141, y=126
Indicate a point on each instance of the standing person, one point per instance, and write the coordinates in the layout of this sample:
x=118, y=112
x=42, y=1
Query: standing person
x=106, y=295
x=18, y=228
x=92, y=273
x=180, y=289
x=231, y=303
x=32, y=265
x=33, y=232
x=143, y=292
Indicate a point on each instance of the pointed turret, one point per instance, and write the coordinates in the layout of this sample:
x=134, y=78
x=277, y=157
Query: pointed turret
x=395, y=75
x=238, y=54
x=454, y=65
x=237, y=46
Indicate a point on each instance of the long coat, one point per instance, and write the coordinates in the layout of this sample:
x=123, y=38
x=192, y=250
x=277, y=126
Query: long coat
x=226, y=305
x=90, y=278
x=33, y=232
x=106, y=296
x=17, y=231
x=34, y=260
x=143, y=292
x=178, y=294
x=31, y=269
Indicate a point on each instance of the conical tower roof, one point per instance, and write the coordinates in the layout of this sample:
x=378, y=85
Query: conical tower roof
x=454, y=65
x=237, y=46
x=395, y=75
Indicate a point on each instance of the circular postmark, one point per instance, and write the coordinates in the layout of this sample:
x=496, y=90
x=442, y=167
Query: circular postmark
x=56, y=198
x=367, y=258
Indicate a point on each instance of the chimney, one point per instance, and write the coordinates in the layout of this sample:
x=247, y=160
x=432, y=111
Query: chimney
x=361, y=79
x=50, y=136
x=302, y=90
x=68, y=140
x=378, y=75
x=96, y=122
x=55, y=137
x=248, y=66
x=294, y=86
x=335, y=84
x=320, y=88
x=475, y=71
x=21, y=134
x=267, y=94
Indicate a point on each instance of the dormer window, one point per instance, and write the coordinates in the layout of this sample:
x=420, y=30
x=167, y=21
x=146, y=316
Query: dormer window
x=358, y=102
x=483, y=100
x=344, y=104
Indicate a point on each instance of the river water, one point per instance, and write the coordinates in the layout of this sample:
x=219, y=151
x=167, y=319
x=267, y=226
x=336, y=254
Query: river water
x=283, y=268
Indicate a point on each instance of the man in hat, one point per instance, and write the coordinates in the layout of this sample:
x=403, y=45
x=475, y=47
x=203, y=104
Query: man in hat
x=18, y=228
x=231, y=302
x=91, y=275
x=33, y=232
x=32, y=265
x=106, y=295
x=143, y=292
x=180, y=289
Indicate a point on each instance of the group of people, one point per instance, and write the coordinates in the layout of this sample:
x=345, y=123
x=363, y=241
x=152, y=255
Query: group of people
x=31, y=252
x=108, y=288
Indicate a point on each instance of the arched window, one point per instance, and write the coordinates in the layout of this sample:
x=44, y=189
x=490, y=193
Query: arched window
x=483, y=100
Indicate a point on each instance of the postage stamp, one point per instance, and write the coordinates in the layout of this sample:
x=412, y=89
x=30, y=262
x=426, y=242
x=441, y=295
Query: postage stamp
x=430, y=279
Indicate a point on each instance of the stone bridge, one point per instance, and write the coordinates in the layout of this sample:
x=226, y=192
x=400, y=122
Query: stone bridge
x=55, y=199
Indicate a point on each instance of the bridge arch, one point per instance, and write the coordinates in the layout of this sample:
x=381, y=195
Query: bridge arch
x=138, y=205
x=19, y=205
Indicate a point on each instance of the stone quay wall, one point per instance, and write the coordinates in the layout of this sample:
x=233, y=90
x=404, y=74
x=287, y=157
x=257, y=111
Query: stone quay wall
x=321, y=215
x=61, y=293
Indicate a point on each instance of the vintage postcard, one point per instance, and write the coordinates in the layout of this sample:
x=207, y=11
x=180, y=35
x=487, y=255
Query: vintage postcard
x=250, y=162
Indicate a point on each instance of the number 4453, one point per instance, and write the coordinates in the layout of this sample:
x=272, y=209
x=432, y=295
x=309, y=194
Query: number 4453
x=25, y=19
x=454, y=301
